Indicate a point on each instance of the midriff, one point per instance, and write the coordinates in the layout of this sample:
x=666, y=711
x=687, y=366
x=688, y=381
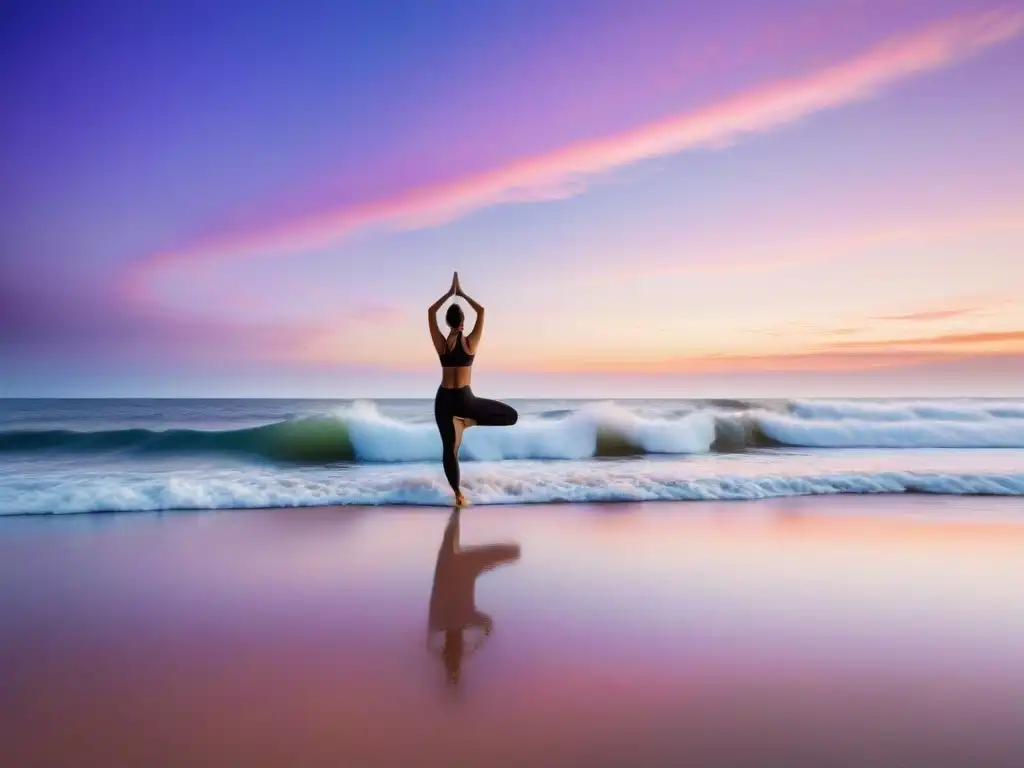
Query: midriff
x=454, y=378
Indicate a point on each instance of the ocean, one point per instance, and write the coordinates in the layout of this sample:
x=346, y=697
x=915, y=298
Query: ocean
x=78, y=456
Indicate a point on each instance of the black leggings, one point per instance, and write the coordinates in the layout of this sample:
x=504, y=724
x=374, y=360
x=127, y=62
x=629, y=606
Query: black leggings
x=462, y=403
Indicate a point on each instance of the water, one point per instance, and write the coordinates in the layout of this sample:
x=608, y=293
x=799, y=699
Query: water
x=59, y=456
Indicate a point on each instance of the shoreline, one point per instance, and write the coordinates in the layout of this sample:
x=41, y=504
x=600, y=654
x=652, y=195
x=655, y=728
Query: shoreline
x=856, y=498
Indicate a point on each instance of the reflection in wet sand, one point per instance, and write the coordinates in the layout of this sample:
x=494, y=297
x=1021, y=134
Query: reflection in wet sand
x=453, y=611
x=843, y=632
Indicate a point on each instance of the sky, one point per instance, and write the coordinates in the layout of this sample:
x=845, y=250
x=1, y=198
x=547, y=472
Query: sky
x=650, y=198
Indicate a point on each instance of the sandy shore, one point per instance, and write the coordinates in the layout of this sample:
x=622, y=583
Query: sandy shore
x=829, y=632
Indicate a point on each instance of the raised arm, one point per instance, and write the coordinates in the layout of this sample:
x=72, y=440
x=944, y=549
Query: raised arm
x=435, y=333
x=474, y=337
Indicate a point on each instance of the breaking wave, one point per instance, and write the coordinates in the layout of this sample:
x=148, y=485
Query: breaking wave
x=360, y=433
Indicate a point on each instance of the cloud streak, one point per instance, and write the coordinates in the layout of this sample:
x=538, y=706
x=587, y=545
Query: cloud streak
x=943, y=340
x=930, y=315
x=865, y=360
x=568, y=171
x=991, y=346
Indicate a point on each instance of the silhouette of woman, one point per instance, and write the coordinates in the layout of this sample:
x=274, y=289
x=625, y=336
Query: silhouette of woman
x=453, y=597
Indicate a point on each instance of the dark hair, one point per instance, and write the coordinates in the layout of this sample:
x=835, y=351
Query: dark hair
x=454, y=316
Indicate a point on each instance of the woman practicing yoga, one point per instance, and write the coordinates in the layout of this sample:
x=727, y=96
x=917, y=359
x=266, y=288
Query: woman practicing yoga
x=455, y=406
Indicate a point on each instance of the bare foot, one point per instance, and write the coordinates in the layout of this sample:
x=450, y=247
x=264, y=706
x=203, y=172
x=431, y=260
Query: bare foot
x=462, y=501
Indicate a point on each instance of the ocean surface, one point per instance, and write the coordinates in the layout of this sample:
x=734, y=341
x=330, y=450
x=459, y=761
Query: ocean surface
x=67, y=456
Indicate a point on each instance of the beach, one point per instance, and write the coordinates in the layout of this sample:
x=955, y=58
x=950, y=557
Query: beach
x=837, y=631
x=723, y=358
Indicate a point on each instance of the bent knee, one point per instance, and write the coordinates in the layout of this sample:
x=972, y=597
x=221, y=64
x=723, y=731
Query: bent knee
x=513, y=416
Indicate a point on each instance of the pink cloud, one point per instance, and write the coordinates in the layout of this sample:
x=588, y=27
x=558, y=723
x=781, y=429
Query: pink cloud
x=840, y=355
x=567, y=172
x=954, y=339
x=872, y=359
x=929, y=315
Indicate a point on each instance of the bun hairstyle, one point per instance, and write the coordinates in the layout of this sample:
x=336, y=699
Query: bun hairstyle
x=454, y=316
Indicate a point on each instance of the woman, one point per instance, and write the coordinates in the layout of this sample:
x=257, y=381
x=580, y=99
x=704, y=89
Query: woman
x=455, y=406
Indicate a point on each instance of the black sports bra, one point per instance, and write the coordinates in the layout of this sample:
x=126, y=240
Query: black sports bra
x=457, y=356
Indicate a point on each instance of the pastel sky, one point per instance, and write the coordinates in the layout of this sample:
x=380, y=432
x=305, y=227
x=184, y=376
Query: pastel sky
x=653, y=198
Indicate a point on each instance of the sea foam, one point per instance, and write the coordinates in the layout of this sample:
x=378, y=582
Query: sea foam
x=507, y=482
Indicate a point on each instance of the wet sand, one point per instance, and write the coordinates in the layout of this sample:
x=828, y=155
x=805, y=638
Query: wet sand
x=860, y=632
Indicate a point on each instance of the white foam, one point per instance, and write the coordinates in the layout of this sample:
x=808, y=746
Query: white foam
x=910, y=410
x=379, y=438
x=490, y=483
x=691, y=433
x=816, y=424
x=849, y=432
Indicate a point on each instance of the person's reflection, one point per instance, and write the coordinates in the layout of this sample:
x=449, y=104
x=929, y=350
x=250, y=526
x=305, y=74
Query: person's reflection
x=453, y=608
